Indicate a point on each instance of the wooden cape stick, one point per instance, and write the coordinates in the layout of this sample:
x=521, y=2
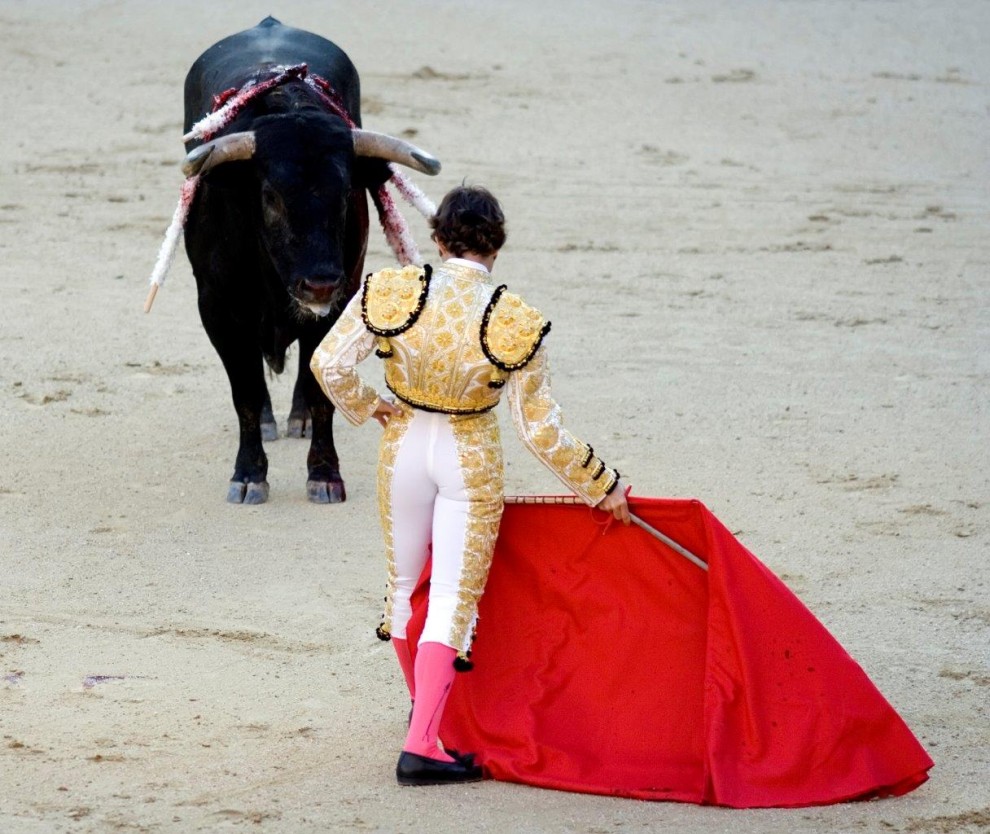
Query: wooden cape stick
x=570, y=499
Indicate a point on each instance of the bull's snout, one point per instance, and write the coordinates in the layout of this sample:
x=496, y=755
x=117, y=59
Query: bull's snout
x=318, y=287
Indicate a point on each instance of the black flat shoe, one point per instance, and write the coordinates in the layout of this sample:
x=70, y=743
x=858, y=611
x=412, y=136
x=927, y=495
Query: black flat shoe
x=414, y=769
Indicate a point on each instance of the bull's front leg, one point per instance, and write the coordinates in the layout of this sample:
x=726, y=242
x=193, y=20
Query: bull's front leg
x=249, y=483
x=245, y=370
x=324, y=484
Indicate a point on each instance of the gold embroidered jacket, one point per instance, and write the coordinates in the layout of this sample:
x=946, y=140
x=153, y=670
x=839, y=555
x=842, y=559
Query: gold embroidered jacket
x=451, y=341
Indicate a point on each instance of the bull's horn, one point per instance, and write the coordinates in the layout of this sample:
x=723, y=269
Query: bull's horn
x=369, y=143
x=228, y=148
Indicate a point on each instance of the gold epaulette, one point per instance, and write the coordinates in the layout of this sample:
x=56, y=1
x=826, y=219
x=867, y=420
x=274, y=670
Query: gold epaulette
x=511, y=332
x=394, y=298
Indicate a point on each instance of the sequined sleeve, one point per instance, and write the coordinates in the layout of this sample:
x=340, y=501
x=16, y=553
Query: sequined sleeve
x=539, y=422
x=346, y=345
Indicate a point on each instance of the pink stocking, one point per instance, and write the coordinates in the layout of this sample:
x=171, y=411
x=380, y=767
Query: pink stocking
x=434, y=677
x=405, y=661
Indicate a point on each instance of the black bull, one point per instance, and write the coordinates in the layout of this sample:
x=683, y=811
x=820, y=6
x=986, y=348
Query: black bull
x=278, y=230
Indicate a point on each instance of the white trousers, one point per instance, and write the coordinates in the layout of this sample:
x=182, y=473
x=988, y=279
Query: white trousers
x=440, y=481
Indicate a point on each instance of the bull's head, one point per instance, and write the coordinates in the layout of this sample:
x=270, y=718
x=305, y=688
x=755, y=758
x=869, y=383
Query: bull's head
x=306, y=170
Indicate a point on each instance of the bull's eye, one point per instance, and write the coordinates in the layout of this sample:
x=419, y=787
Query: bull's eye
x=271, y=203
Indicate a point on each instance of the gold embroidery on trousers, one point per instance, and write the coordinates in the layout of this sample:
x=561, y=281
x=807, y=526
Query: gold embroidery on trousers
x=479, y=449
x=395, y=431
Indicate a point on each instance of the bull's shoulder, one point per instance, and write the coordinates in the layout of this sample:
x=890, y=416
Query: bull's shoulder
x=511, y=330
x=393, y=299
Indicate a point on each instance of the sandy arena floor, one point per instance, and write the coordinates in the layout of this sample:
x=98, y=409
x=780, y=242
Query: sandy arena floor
x=760, y=230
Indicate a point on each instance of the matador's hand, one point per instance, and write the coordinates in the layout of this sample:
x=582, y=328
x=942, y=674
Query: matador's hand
x=616, y=503
x=384, y=411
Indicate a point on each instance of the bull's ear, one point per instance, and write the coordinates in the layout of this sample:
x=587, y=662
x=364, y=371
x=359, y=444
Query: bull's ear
x=234, y=146
x=383, y=146
x=370, y=173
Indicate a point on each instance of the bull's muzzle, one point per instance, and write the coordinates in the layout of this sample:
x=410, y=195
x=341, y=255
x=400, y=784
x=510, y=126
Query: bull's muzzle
x=319, y=287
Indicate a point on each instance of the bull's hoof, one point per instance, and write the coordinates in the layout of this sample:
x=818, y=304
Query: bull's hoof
x=298, y=427
x=247, y=493
x=326, y=492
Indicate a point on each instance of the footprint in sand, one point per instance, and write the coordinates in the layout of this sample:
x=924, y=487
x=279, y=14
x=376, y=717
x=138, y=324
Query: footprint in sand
x=659, y=156
x=736, y=76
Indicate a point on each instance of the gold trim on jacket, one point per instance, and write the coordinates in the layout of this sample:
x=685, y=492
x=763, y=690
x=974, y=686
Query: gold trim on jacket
x=392, y=299
x=511, y=330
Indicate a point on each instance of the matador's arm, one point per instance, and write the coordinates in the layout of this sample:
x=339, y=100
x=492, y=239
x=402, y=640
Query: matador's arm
x=539, y=423
x=346, y=345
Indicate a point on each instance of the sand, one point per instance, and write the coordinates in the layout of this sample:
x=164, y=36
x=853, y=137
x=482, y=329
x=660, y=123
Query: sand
x=760, y=230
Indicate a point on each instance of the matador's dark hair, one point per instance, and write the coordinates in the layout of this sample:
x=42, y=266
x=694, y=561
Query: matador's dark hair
x=469, y=219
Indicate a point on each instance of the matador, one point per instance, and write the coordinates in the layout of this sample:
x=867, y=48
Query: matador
x=451, y=342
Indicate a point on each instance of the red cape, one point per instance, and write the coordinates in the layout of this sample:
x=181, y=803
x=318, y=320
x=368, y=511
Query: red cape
x=609, y=664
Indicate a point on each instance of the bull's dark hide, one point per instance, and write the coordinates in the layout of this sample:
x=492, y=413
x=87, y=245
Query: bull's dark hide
x=277, y=240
